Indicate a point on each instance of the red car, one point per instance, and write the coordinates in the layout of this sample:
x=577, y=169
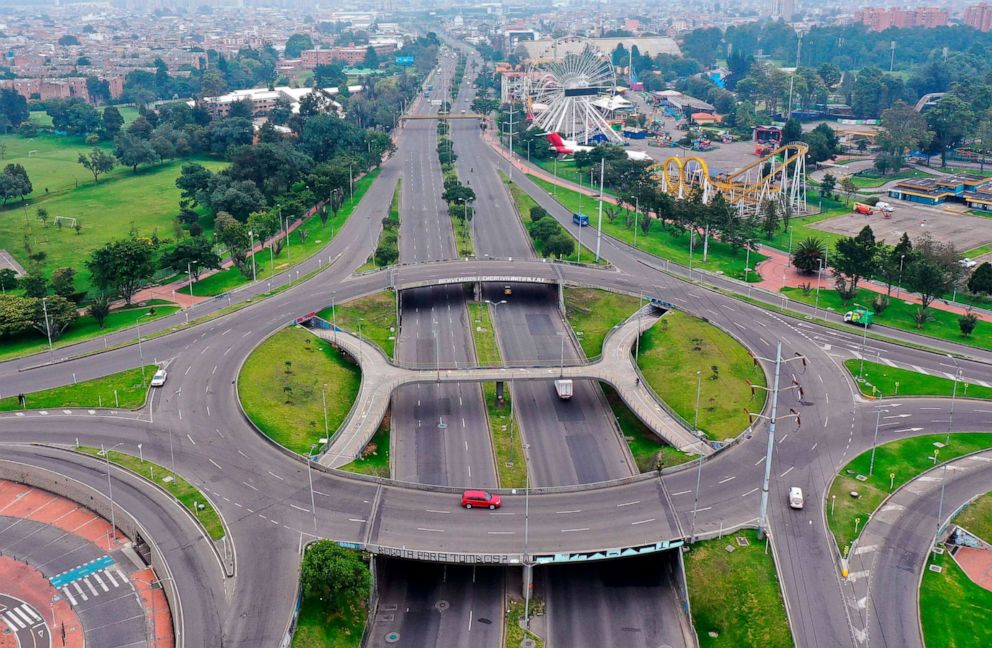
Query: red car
x=480, y=499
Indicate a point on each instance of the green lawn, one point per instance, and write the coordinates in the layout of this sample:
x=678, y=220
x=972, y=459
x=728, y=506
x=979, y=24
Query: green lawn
x=593, y=313
x=189, y=495
x=736, y=595
x=524, y=202
x=462, y=231
x=804, y=227
x=147, y=201
x=659, y=242
x=483, y=333
x=304, y=242
x=84, y=328
x=954, y=611
x=390, y=224
x=678, y=346
x=129, y=386
x=514, y=635
x=977, y=517
x=375, y=455
x=42, y=119
x=339, y=625
x=873, y=180
x=644, y=445
x=281, y=385
x=900, y=314
x=896, y=463
x=883, y=380
x=377, y=315
x=511, y=466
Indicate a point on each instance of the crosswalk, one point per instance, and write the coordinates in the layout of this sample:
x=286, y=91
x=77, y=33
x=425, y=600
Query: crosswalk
x=90, y=580
x=21, y=617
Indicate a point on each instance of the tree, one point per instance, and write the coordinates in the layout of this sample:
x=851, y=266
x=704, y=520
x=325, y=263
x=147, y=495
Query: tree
x=34, y=285
x=933, y=271
x=54, y=315
x=827, y=184
x=194, y=183
x=335, y=574
x=14, y=183
x=234, y=235
x=808, y=255
x=68, y=39
x=122, y=266
x=371, y=57
x=823, y=144
x=238, y=198
x=193, y=256
x=967, y=323
x=981, y=279
x=99, y=309
x=848, y=186
x=949, y=120
x=892, y=261
x=559, y=245
x=329, y=76
x=537, y=213
x=133, y=151
x=769, y=221
x=16, y=315
x=792, y=131
x=903, y=128
x=97, y=162
x=8, y=279
x=295, y=45
x=855, y=257
x=63, y=282
x=14, y=107
x=112, y=122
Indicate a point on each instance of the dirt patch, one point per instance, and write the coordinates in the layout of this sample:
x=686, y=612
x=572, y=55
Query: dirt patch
x=964, y=231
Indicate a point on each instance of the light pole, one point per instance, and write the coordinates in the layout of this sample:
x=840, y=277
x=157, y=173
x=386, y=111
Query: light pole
x=151, y=595
x=954, y=394
x=902, y=259
x=334, y=320
x=110, y=488
x=637, y=340
x=699, y=467
x=251, y=246
x=527, y=531
x=189, y=275
x=819, y=277
x=141, y=355
x=48, y=331
x=874, y=443
x=313, y=504
x=599, y=227
x=494, y=304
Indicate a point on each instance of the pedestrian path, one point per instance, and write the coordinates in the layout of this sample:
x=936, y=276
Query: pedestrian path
x=80, y=589
x=21, y=617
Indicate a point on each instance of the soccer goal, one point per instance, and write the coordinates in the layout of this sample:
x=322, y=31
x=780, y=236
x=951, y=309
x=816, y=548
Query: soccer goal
x=65, y=221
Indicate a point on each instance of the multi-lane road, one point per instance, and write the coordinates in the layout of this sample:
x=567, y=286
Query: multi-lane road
x=263, y=496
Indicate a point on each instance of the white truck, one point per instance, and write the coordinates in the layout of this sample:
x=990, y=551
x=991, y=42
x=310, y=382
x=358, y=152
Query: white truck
x=564, y=388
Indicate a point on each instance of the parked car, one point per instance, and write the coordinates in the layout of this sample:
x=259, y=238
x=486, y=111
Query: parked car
x=480, y=499
x=968, y=263
x=159, y=378
x=796, y=497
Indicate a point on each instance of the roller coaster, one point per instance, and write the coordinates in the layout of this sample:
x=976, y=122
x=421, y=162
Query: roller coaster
x=780, y=175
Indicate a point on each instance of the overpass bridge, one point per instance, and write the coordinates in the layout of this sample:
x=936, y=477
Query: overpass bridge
x=442, y=116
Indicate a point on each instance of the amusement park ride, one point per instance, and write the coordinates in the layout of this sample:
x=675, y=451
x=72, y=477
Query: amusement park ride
x=565, y=96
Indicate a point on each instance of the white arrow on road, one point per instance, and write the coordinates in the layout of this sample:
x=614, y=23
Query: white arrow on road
x=896, y=416
x=907, y=430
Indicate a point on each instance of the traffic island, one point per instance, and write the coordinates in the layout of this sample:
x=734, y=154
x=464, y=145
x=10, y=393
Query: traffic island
x=297, y=388
x=593, y=313
x=880, y=381
x=682, y=355
x=516, y=634
x=372, y=317
x=335, y=586
x=734, y=593
x=860, y=488
x=123, y=390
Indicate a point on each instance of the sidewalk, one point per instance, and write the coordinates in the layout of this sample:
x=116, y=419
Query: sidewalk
x=776, y=272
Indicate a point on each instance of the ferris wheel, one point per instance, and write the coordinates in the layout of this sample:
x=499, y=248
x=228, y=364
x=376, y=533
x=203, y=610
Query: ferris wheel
x=570, y=92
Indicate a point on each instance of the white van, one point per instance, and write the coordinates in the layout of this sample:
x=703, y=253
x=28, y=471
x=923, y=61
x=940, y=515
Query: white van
x=796, y=497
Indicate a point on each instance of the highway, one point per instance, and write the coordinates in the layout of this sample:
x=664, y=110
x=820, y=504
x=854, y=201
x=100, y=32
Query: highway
x=263, y=494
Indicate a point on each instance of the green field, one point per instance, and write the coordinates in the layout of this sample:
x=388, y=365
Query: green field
x=377, y=315
x=660, y=242
x=390, y=224
x=316, y=236
x=645, y=446
x=483, y=334
x=523, y=203
x=84, y=328
x=41, y=119
x=376, y=455
x=736, y=595
x=883, y=380
x=282, y=383
x=977, y=517
x=129, y=386
x=189, y=495
x=593, y=313
x=954, y=611
x=873, y=180
x=896, y=463
x=899, y=315
x=678, y=346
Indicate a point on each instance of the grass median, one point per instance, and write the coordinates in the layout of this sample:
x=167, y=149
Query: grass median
x=659, y=241
x=900, y=315
x=524, y=203
x=679, y=346
x=388, y=244
x=374, y=459
x=879, y=380
x=126, y=390
x=954, y=611
x=186, y=493
x=593, y=313
x=375, y=313
x=285, y=382
x=896, y=463
x=735, y=595
x=515, y=634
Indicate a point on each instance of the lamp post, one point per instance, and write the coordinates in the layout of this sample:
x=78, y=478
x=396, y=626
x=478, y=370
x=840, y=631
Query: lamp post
x=874, y=443
x=527, y=532
x=313, y=504
x=48, y=331
x=699, y=467
x=110, y=488
x=819, y=276
x=141, y=355
x=251, y=246
x=902, y=259
x=954, y=394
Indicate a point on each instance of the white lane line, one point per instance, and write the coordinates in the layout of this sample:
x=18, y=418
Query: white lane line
x=570, y=511
x=110, y=577
x=753, y=490
x=249, y=486
x=642, y=522
x=628, y=503
x=705, y=508
x=500, y=532
x=90, y=586
x=430, y=530
x=216, y=465
x=574, y=530
x=437, y=511
x=724, y=481
x=275, y=475
x=299, y=508
x=356, y=520
x=759, y=461
x=682, y=492
x=787, y=472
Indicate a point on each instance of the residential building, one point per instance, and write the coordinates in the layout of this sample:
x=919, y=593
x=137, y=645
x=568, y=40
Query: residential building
x=879, y=19
x=979, y=16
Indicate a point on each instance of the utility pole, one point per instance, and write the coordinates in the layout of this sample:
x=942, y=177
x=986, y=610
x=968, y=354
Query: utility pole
x=599, y=233
x=763, y=513
x=48, y=331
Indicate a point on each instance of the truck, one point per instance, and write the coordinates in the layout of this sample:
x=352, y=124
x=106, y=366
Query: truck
x=860, y=316
x=564, y=388
x=862, y=208
x=885, y=208
x=580, y=219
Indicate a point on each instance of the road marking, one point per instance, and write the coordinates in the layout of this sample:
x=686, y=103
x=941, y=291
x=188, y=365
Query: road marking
x=753, y=490
x=275, y=475
x=787, y=472
x=724, y=481
x=187, y=370
x=571, y=511
x=110, y=577
x=249, y=486
x=68, y=595
x=865, y=549
x=430, y=530
x=190, y=438
x=857, y=575
x=628, y=503
x=299, y=508
x=759, y=461
x=706, y=508
x=357, y=520
x=437, y=511
x=681, y=492
x=642, y=522
x=500, y=532
x=574, y=530
x=100, y=582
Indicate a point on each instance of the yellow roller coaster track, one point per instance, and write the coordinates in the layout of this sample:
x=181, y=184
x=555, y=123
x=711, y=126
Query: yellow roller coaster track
x=747, y=187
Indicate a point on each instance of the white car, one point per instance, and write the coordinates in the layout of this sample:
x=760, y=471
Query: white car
x=796, y=497
x=968, y=263
x=159, y=378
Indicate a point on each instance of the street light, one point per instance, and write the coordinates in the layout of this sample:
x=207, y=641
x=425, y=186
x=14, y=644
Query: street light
x=527, y=532
x=141, y=355
x=819, y=278
x=251, y=246
x=151, y=585
x=874, y=443
x=313, y=504
x=110, y=487
x=902, y=258
x=494, y=304
x=48, y=330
